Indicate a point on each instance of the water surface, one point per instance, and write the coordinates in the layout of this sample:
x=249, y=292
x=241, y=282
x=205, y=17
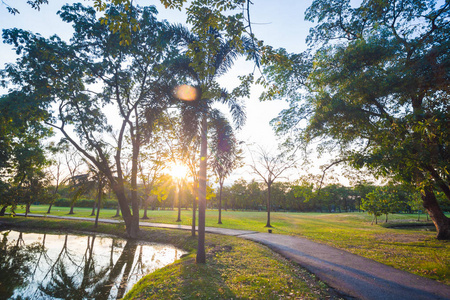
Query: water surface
x=67, y=266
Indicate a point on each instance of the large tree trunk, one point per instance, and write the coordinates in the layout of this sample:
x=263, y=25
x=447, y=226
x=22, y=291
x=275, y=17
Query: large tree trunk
x=134, y=194
x=441, y=222
x=131, y=220
x=71, y=208
x=220, y=203
x=201, y=255
x=117, y=210
x=268, y=205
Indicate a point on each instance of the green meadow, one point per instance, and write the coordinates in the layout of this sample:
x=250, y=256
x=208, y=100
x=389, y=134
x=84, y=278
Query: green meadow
x=412, y=248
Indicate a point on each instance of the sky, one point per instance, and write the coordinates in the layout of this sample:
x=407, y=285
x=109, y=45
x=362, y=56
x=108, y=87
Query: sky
x=278, y=23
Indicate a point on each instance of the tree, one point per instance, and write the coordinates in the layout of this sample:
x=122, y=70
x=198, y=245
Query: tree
x=372, y=205
x=225, y=156
x=56, y=171
x=73, y=163
x=22, y=154
x=133, y=79
x=210, y=53
x=153, y=159
x=269, y=168
x=377, y=91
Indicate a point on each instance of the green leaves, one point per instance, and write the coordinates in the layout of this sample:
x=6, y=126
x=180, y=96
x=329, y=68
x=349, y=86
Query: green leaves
x=375, y=91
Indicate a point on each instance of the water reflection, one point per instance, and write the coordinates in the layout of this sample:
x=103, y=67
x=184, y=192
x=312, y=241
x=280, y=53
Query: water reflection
x=50, y=266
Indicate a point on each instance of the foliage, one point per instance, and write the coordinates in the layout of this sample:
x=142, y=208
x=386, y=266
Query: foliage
x=22, y=154
x=225, y=154
x=376, y=91
x=211, y=50
x=92, y=72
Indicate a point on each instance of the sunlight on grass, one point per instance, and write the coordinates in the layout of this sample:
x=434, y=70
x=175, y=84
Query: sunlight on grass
x=412, y=250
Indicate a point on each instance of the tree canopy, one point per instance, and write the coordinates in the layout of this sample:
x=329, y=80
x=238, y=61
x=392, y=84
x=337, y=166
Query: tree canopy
x=93, y=78
x=376, y=90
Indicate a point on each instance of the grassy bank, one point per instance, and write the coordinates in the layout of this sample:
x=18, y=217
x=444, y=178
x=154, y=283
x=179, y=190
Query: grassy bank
x=411, y=249
x=235, y=268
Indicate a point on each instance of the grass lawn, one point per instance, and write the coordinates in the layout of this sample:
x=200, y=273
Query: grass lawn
x=414, y=250
x=235, y=269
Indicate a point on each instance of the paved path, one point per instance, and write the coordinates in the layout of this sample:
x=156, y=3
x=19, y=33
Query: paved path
x=348, y=273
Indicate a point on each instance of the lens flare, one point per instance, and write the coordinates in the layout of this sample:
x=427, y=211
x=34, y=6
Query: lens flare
x=186, y=92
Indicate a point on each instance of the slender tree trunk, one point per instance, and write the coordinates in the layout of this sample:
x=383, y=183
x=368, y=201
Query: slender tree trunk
x=438, y=217
x=131, y=220
x=220, y=203
x=49, y=208
x=145, y=217
x=117, y=211
x=179, y=202
x=269, y=186
x=194, y=209
x=71, y=208
x=99, y=200
x=54, y=193
x=3, y=210
x=27, y=209
x=201, y=255
x=93, y=209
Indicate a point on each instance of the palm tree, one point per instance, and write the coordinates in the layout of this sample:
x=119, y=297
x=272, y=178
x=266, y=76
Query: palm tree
x=208, y=56
x=226, y=154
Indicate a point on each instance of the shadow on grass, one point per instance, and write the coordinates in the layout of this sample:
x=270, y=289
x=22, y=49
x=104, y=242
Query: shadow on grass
x=204, y=281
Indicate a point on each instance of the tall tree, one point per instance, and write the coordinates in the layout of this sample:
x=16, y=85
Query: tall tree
x=218, y=38
x=131, y=76
x=22, y=154
x=56, y=171
x=269, y=168
x=225, y=154
x=378, y=91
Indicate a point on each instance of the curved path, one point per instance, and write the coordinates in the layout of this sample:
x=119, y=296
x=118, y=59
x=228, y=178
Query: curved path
x=350, y=274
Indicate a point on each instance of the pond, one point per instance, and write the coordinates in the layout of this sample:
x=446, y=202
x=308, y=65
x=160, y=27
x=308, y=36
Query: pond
x=68, y=266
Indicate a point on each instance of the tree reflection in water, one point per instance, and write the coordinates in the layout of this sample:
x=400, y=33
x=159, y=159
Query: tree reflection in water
x=75, y=267
x=15, y=263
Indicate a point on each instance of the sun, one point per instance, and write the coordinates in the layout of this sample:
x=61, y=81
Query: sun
x=178, y=171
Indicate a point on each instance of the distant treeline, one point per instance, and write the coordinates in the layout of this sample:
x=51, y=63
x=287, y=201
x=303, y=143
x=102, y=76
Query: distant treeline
x=286, y=196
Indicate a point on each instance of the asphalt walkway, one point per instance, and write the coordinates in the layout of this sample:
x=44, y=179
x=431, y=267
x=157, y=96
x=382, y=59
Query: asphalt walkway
x=350, y=274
